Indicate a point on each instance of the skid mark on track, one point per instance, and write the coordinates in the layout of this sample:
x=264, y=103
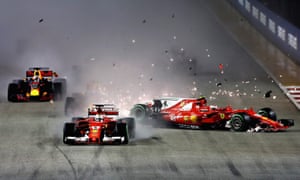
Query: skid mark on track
x=98, y=152
x=227, y=159
x=199, y=166
x=69, y=161
x=97, y=170
x=173, y=167
x=35, y=173
x=147, y=141
x=233, y=169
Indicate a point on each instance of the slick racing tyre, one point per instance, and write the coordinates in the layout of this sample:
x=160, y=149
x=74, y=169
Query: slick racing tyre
x=69, y=130
x=239, y=122
x=123, y=131
x=140, y=112
x=267, y=112
x=12, y=92
x=130, y=126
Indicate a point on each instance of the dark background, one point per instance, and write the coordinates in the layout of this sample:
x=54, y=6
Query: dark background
x=287, y=9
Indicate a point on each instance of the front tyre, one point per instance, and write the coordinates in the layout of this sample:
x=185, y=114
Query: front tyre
x=123, y=131
x=239, y=122
x=69, y=130
x=130, y=126
x=268, y=112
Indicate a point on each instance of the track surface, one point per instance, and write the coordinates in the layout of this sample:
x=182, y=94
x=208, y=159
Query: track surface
x=31, y=144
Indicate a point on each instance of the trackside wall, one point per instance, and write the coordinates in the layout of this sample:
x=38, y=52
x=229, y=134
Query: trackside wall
x=279, y=31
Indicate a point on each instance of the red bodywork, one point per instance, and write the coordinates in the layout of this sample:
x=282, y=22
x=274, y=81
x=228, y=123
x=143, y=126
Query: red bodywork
x=37, y=85
x=192, y=113
x=101, y=126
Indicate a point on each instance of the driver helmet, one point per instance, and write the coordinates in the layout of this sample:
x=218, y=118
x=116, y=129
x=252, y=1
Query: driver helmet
x=202, y=100
x=99, y=117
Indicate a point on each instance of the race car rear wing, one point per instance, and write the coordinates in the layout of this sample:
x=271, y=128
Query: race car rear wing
x=43, y=72
x=104, y=109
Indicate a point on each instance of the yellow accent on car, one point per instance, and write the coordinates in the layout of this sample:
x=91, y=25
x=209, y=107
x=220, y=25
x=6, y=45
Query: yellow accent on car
x=186, y=118
x=222, y=115
x=34, y=92
x=193, y=118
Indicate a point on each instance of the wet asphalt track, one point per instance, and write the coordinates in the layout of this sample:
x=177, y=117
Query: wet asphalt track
x=31, y=145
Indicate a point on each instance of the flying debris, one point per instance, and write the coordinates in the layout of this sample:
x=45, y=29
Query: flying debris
x=268, y=94
x=221, y=66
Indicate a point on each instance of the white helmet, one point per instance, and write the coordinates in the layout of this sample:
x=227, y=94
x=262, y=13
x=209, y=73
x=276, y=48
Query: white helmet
x=99, y=117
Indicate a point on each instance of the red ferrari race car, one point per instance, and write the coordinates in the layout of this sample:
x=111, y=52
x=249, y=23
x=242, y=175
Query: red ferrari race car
x=100, y=127
x=195, y=113
x=40, y=84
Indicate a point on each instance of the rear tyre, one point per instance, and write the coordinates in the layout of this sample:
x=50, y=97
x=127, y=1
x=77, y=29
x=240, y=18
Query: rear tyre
x=69, y=130
x=123, y=132
x=268, y=112
x=130, y=126
x=239, y=122
x=140, y=112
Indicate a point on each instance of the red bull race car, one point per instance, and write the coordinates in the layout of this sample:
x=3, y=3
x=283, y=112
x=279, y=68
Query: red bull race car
x=101, y=126
x=40, y=84
x=195, y=113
